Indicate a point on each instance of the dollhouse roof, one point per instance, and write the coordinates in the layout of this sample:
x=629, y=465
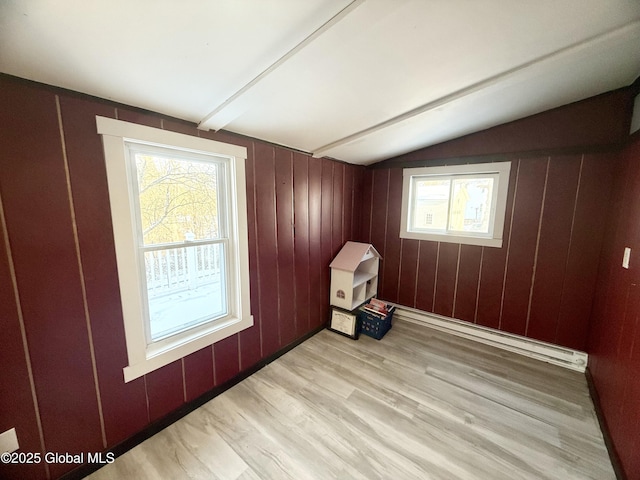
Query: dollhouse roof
x=352, y=254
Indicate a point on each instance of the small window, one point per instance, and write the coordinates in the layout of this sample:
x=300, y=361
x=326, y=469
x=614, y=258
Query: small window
x=181, y=241
x=457, y=204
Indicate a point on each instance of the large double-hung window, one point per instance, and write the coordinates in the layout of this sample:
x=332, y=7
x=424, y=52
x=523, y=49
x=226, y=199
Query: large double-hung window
x=180, y=201
x=179, y=216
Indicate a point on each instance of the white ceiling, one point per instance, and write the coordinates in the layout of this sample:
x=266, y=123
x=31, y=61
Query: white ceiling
x=360, y=80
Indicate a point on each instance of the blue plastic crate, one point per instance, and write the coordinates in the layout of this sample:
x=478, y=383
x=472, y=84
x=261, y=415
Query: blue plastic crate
x=374, y=325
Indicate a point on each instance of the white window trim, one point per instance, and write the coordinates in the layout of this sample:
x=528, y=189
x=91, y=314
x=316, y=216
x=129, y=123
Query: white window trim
x=502, y=169
x=142, y=358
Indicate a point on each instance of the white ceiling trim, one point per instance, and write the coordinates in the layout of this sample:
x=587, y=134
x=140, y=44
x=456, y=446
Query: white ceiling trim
x=216, y=119
x=481, y=85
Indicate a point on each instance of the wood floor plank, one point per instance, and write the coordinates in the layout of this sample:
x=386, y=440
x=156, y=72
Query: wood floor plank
x=419, y=404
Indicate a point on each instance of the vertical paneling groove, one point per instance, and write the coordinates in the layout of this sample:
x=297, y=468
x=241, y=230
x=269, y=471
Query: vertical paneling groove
x=257, y=244
x=494, y=261
x=239, y=347
x=537, y=250
x=350, y=213
x=326, y=247
x=23, y=437
x=356, y=204
x=315, y=240
x=198, y=373
x=343, y=207
x=455, y=287
x=81, y=274
x=308, y=242
x=296, y=319
x=285, y=245
x=467, y=282
x=573, y=222
x=446, y=278
x=276, y=251
x=415, y=290
x=392, y=257
x=266, y=223
x=184, y=381
x=337, y=211
x=426, y=275
x=435, y=278
x=370, y=217
x=475, y=310
x=385, y=237
x=165, y=388
x=258, y=280
x=399, y=278
x=226, y=358
x=213, y=365
x=367, y=206
x=360, y=201
x=346, y=199
x=301, y=242
x=251, y=339
x=380, y=192
x=506, y=261
x=146, y=398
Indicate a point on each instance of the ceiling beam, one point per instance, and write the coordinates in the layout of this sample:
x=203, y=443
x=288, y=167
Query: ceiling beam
x=488, y=82
x=209, y=121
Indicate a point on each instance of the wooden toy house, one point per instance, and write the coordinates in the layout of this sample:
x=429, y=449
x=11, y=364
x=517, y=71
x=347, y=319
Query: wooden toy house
x=354, y=275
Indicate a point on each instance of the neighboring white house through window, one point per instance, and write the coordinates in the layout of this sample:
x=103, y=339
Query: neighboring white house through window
x=456, y=204
x=179, y=219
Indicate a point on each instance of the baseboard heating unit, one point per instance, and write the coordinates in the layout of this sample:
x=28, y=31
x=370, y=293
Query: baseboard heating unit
x=554, y=354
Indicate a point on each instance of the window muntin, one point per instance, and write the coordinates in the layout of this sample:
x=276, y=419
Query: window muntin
x=459, y=204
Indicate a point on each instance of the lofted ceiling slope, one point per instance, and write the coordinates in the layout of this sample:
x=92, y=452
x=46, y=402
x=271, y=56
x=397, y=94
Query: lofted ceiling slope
x=360, y=81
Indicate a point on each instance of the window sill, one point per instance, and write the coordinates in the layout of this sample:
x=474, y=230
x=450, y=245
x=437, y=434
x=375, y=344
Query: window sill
x=186, y=344
x=461, y=239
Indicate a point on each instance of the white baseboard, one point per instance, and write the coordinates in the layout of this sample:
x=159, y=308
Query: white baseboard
x=547, y=352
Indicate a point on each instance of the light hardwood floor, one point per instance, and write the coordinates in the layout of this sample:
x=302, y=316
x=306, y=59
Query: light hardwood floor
x=419, y=404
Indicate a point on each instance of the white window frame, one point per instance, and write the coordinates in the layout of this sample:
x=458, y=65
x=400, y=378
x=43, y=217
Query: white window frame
x=500, y=171
x=143, y=357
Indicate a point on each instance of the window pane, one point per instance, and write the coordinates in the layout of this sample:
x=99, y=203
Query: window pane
x=471, y=205
x=178, y=198
x=185, y=287
x=431, y=201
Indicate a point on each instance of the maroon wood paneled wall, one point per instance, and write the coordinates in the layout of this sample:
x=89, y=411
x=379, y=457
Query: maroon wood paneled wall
x=539, y=284
x=614, y=341
x=62, y=341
